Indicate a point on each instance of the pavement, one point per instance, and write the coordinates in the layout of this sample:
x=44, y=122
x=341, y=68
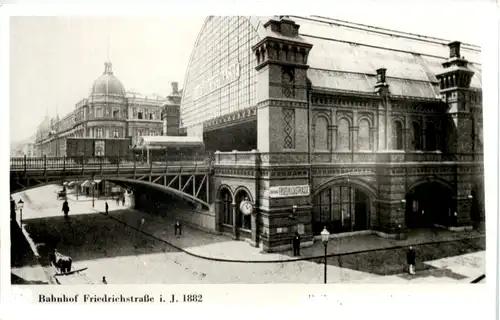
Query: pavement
x=102, y=244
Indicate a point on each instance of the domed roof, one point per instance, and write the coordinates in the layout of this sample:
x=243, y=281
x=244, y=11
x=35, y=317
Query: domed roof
x=108, y=84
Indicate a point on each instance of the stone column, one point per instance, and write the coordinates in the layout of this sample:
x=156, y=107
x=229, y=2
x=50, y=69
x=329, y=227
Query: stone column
x=235, y=222
x=334, y=137
x=255, y=227
x=354, y=138
x=373, y=138
x=217, y=209
x=422, y=132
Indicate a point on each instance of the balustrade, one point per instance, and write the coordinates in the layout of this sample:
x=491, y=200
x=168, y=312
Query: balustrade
x=98, y=163
x=390, y=156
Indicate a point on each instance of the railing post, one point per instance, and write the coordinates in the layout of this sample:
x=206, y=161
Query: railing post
x=64, y=163
x=44, y=163
x=134, y=165
x=118, y=165
x=100, y=165
x=24, y=163
x=83, y=165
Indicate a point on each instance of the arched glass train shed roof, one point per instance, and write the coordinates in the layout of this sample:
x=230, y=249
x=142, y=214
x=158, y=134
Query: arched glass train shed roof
x=346, y=55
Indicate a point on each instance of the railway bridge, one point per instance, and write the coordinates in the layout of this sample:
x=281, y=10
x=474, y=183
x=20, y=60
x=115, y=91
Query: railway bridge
x=384, y=192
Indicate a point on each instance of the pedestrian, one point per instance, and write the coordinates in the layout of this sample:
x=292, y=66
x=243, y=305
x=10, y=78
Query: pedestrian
x=296, y=244
x=178, y=229
x=65, y=208
x=410, y=259
x=117, y=200
x=107, y=207
x=12, y=209
x=123, y=201
x=104, y=280
x=141, y=223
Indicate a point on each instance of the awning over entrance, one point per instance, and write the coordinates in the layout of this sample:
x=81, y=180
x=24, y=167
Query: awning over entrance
x=71, y=184
x=169, y=141
x=86, y=183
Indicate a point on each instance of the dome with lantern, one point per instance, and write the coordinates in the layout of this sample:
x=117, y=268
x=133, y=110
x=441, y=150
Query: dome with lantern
x=108, y=83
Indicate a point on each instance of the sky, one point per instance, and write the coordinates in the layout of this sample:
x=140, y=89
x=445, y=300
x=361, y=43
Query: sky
x=55, y=59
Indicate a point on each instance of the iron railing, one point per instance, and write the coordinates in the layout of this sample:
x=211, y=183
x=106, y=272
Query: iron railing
x=79, y=162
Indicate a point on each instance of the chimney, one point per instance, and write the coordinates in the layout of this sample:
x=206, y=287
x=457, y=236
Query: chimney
x=454, y=49
x=175, y=87
x=381, y=75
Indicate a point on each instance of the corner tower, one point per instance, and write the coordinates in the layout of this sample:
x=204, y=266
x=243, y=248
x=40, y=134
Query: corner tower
x=282, y=99
x=283, y=134
x=462, y=127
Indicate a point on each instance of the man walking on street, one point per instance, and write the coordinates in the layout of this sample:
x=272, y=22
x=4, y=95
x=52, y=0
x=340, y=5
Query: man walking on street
x=123, y=201
x=12, y=209
x=117, y=201
x=107, y=207
x=296, y=245
x=410, y=259
x=178, y=229
x=65, y=208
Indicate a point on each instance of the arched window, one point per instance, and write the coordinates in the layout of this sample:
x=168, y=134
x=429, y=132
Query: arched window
x=227, y=209
x=344, y=135
x=321, y=139
x=397, y=135
x=430, y=137
x=417, y=136
x=364, y=135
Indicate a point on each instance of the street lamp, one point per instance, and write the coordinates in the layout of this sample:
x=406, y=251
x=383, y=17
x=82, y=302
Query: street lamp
x=325, y=236
x=20, y=204
x=291, y=219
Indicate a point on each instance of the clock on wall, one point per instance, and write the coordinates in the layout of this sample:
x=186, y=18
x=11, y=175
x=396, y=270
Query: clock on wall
x=246, y=207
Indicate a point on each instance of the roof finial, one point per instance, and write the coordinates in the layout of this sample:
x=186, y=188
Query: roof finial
x=108, y=41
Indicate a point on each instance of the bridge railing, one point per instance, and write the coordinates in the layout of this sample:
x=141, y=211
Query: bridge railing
x=79, y=162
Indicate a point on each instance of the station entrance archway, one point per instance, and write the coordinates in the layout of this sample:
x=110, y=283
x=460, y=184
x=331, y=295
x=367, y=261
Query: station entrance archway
x=341, y=208
x=428, y=204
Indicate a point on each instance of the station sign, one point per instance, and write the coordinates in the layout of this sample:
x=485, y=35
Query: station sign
x=289, y=191
x=217, y=81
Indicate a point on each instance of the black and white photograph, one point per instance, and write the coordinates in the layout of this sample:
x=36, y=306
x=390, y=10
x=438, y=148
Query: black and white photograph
x=246, y=149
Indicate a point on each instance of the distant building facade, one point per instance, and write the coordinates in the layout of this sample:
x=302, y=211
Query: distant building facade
x=108, y=122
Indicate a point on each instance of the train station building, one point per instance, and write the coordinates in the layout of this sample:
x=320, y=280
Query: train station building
x=320, y=122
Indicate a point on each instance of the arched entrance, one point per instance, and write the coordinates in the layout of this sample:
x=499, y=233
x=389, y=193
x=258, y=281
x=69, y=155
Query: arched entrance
x=429, y=203
x=226, y=210
x=243, y=222
x=341, y=208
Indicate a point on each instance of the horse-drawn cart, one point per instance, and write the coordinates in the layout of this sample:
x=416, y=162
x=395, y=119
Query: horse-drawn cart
x=63, y=272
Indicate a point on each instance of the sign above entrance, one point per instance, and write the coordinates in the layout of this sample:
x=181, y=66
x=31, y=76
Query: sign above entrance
x=289, y=191
x=217, y=81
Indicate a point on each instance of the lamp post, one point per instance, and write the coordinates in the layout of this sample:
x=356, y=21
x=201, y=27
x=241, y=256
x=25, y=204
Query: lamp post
x=20, y=204
x=291, y=219
x=472, y=211
x=325, y=236
x=93, y=189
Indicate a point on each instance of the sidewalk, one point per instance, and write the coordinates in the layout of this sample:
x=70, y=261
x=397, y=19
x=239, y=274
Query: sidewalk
x=214, y=246
x=25, y=267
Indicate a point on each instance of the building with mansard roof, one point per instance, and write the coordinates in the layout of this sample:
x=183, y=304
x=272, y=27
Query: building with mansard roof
x=319, y=122
x=109, y=121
